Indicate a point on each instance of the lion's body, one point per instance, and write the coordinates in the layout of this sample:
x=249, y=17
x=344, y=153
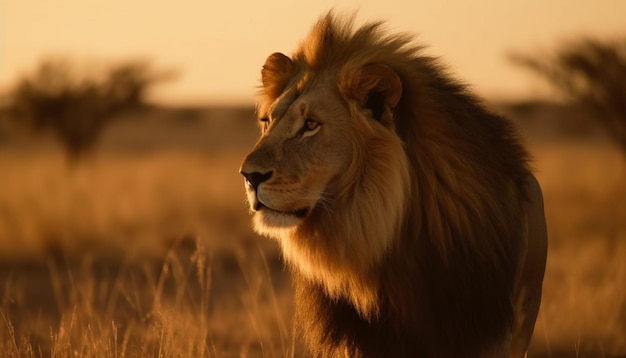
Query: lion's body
x=407, y=212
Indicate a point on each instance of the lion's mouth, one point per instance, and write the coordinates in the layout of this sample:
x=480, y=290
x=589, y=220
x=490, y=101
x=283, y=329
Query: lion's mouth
x=300, y=213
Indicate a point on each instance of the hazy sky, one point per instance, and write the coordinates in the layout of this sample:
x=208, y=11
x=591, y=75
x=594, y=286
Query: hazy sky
x=219, y=46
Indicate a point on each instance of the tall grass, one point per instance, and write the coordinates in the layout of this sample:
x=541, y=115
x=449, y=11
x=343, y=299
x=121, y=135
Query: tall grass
x=583, y=312
x=188, y=306
x=127, y=256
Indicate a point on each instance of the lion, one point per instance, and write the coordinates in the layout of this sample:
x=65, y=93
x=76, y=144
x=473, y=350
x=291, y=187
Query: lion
x=407, y=213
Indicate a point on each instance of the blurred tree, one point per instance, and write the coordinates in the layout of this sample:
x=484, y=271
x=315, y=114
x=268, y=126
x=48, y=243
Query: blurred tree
x=591, y=72
x=76, y=106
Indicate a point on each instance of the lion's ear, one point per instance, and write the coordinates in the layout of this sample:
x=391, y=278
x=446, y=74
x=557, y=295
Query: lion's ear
x=276, y=73
x=377, y=88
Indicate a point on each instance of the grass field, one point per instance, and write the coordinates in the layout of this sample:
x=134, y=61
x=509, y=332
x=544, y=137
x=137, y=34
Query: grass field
x=145, y=249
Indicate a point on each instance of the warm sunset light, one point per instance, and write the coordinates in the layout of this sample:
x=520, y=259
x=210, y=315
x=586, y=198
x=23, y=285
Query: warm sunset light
x=219, y=46
x=157, y=199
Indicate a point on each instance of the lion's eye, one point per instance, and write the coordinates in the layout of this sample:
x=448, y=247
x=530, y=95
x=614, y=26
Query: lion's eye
x=311, y=125
x=310, y=128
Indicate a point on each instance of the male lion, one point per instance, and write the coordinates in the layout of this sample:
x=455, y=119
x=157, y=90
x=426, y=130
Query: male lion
x=407, y=212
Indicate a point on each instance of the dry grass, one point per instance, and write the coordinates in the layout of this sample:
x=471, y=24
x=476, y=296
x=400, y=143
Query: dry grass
x=186, y=307
x=44, y=203
x=583, y=312
x=146, y=255
x=151, y=255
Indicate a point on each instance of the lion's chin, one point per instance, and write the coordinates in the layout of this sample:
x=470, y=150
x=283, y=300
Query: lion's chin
x=275, y=225
x=272, y=222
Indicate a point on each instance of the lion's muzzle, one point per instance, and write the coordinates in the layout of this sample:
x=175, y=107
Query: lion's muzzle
x=253, y=180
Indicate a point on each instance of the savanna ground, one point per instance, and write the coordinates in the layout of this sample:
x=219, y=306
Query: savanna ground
x=144, y=249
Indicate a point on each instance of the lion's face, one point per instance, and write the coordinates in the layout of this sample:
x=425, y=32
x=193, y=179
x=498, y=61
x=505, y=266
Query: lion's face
x=321, y=132
x=297, y=163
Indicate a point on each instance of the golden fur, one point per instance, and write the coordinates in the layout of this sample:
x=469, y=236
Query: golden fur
x=406, y=211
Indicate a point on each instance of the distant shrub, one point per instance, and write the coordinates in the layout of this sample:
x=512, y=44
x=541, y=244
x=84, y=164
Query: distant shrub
x=76, y=105
x=591, y=72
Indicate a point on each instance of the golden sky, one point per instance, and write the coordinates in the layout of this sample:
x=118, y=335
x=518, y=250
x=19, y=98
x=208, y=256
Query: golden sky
x=218, y=47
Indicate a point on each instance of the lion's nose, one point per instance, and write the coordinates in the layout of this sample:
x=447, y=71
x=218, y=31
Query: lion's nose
x=255, y=179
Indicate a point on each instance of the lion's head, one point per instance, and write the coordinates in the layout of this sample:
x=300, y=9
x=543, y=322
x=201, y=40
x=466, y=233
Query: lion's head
x=329, y=162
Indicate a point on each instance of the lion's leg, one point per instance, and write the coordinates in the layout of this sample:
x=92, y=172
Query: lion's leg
x=530, y=279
